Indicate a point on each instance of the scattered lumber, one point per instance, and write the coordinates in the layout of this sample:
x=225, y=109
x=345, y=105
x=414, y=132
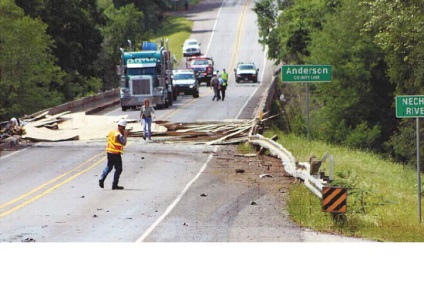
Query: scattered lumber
x=80, y=126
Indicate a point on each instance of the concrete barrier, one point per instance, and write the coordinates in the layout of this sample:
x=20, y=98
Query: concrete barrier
x=87, y=104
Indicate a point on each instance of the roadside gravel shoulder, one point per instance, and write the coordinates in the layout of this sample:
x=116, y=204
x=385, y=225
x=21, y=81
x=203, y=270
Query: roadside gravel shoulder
x=249, y=194
x=261, y=208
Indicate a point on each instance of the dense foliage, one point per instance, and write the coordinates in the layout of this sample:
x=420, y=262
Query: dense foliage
x=28, y=74
x=376, y=50
x=54, y=51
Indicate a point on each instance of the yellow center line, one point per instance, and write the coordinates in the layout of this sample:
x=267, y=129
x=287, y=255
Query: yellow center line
x=238, y=38
x=25, y=199
x=233, y=59
x=50, y=182
x=50, y=189
x=171, y=113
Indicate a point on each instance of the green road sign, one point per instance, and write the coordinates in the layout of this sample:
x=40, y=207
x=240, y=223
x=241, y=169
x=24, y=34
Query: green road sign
x=306, y=73
x=409, y=106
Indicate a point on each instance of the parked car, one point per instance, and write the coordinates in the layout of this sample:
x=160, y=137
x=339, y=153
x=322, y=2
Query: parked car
x=202, y=67
x=246, y=72
x=184, y=82
x=191, y=47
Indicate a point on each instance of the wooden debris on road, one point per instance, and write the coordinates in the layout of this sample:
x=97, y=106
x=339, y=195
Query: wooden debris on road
x=265, y=175
x=246, y=155
x=210, y=133
x=80, y=126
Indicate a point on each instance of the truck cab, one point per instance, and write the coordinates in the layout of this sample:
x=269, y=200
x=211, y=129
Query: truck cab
x=145, y=74
x=203, y=67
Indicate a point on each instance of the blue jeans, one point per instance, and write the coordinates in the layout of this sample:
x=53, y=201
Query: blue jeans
x=113, y=161
x=147, y=123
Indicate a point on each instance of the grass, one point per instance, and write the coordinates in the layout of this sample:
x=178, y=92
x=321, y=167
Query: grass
x=382, y=195
x=176, y=30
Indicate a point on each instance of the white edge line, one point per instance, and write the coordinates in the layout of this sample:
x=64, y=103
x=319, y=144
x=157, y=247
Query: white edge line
x=214, y=27
x=184, y=191
x=14, y=152
x=175, y=202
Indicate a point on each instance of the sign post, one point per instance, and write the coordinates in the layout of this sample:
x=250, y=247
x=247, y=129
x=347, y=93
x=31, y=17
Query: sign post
x=410, y=107
x=306, y=73
x=175, y=4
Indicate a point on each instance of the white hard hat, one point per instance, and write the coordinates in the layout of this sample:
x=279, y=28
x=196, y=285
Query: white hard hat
x=122, y=123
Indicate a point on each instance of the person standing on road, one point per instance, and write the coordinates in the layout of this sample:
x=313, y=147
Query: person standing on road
x=186, y=5
x=146, y=114
x=215, y=85
x=224, y=83
x=220, y=86
x=116, y=140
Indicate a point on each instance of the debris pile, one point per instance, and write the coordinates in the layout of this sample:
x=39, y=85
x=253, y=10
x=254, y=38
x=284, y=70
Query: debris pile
x=210, y=133
x=10, y=134
x=67, y=126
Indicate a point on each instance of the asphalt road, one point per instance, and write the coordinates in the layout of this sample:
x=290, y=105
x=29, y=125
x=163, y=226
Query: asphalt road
x=55, y=197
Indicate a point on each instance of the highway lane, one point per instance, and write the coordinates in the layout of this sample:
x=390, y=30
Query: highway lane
x=60, y=200
x=54, y=194
x=57, y=197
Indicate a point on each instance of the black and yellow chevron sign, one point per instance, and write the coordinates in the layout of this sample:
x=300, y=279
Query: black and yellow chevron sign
x=334, y=199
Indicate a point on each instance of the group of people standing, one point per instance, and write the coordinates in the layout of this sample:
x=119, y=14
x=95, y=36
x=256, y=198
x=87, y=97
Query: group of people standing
x=219, y=83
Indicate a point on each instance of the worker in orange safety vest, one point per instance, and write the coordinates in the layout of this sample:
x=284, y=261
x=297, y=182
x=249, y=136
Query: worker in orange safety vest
x=116, y=140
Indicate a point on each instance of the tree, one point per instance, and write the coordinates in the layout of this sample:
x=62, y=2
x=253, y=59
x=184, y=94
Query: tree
x=124, y=24
x=152, y=9
x=75, y=29
x=285, y=27
x=398, y=28
x=31, y=8
x=354, y=109
x=267, y=12
x=28, y=75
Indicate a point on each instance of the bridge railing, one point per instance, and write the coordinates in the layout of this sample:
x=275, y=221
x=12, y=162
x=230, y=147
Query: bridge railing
x=87, y=104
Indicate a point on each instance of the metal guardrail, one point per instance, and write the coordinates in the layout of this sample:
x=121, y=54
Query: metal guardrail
x=300, y=170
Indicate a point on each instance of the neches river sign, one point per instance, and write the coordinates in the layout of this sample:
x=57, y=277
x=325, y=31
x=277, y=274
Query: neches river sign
x=409, y=106
x=306, y=73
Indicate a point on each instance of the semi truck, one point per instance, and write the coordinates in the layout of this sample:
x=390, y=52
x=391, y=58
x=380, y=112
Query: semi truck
x=146, y=74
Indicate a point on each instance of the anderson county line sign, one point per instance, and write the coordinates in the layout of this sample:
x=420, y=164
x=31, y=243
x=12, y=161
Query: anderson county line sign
x=409, y=106
x=306, y=73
